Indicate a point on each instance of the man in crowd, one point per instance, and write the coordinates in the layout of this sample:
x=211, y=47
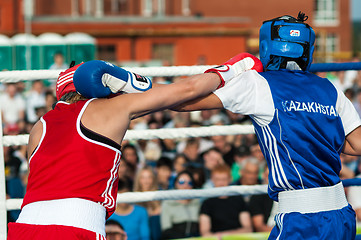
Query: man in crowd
x=223, y=215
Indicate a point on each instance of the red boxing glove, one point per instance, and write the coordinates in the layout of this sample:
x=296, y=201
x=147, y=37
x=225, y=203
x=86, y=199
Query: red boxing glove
x=64, y=83
x=235, y=66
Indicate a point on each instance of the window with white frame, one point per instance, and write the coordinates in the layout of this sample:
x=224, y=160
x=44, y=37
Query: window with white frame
x=326, y=12
x=326, y=46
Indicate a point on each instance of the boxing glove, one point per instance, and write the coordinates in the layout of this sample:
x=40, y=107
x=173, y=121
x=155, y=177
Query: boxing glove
x=64, y=83
x=99, y=79
x=235, y=66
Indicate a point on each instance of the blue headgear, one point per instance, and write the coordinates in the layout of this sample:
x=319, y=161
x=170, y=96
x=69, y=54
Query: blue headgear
x=286, y=39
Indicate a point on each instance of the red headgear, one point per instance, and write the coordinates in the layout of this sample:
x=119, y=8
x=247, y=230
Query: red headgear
x=65, y=84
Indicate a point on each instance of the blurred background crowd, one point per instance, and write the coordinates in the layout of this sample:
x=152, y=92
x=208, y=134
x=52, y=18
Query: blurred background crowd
x=162, y=164
x=38, y=33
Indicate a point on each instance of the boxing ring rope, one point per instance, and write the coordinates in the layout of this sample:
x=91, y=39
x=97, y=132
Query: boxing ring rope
x=133, y=197
x=173, y=71
x=29, y=75
x=164, y=133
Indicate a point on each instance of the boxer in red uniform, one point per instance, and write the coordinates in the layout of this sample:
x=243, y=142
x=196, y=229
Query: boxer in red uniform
x=75, y=148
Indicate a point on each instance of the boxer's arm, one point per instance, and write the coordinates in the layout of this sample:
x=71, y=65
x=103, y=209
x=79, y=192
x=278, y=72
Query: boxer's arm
x=211, y=101
x=34, y=137
x=111, y=117
x=352, y=145
x=171, y=95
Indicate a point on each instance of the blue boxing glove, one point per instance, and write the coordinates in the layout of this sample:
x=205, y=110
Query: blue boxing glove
x=99, y=79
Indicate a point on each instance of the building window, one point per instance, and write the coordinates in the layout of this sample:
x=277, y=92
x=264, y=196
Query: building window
x=327, y=45
x=106, y=53
x=326, y=12
x=163, y=52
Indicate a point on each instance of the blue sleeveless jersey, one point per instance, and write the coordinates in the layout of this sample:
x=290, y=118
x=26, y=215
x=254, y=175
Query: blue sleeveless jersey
x=303, y=142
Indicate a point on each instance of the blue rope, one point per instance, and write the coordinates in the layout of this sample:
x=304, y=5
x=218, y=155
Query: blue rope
x=351, y=182
x=330, y=67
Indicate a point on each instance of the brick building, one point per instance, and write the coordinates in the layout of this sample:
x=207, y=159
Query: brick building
x=179, y=32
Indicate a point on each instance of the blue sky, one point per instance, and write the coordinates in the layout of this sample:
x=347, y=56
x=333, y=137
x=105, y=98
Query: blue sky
x=356, y=10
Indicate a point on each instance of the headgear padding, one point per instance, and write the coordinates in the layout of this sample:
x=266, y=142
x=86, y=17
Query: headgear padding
x=64, y=83
x=288, y=38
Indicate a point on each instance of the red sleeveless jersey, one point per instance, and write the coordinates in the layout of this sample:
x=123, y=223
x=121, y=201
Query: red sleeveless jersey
x=71, y=161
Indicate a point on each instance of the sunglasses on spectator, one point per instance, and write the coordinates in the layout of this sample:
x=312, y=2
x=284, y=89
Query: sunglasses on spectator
x=182, y=182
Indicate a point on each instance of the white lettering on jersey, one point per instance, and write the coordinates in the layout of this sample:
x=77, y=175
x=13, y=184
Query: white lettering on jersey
x=311, y=107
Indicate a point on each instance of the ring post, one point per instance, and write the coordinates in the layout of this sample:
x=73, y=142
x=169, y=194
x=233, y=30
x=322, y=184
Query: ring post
x=3, y=211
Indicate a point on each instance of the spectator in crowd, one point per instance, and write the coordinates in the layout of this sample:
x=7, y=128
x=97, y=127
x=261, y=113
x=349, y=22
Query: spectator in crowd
x=350, y=162
x=123, y=173
x=350, y=76
x=12, y=162
x=357, y=102
x=224, y=215
x=164, y=173
x=206, y=116
x=35, y=99
x=198, y=176
x=151, y=150
x=50, y=100
x=114, y=231
x=358, y=80
x=261, y=209
x=130, y=155
x=212, y=158
x=191, y=151
x=132, y=217
x=227, y=149
x=249, y=172
x=169, y=147
x=179, y=218
x=198, y=143
x=347, y=167
x=59, y=62
x=12, y=109
x=178, y=120
x=146, y=180
x=180, y=163
x=257, y=153
x=354, y=196
x=240, y=155
x=160, y=118
x=350, y=94
x=14, y=187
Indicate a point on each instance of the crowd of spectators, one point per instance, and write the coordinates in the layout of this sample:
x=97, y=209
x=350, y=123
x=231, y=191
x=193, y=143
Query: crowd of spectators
x=162, y=164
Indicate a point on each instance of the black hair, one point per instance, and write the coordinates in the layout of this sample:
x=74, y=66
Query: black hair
x=164, y=161
x=184, y=172
x=125, y=184
x=242, y=151
x=212, y=149
x=113, y=222
x=131, y=147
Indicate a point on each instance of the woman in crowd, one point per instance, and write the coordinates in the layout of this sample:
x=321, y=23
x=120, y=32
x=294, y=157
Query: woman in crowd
x=179, y=218
x=132, y=217
x=146, y=181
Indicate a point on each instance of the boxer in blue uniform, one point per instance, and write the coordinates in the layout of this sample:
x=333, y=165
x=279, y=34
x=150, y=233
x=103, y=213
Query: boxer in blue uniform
x=302, y=123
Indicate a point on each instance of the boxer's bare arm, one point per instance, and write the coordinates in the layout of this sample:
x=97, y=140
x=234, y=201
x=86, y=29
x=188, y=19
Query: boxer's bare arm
x=111, y=117
x=352, y=145
x=34, y=137
x=211, y=101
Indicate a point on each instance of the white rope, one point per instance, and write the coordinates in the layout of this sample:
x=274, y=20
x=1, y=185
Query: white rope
x=3, y=215
x=164, y=133
x=133, y=197
x=27, y=75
